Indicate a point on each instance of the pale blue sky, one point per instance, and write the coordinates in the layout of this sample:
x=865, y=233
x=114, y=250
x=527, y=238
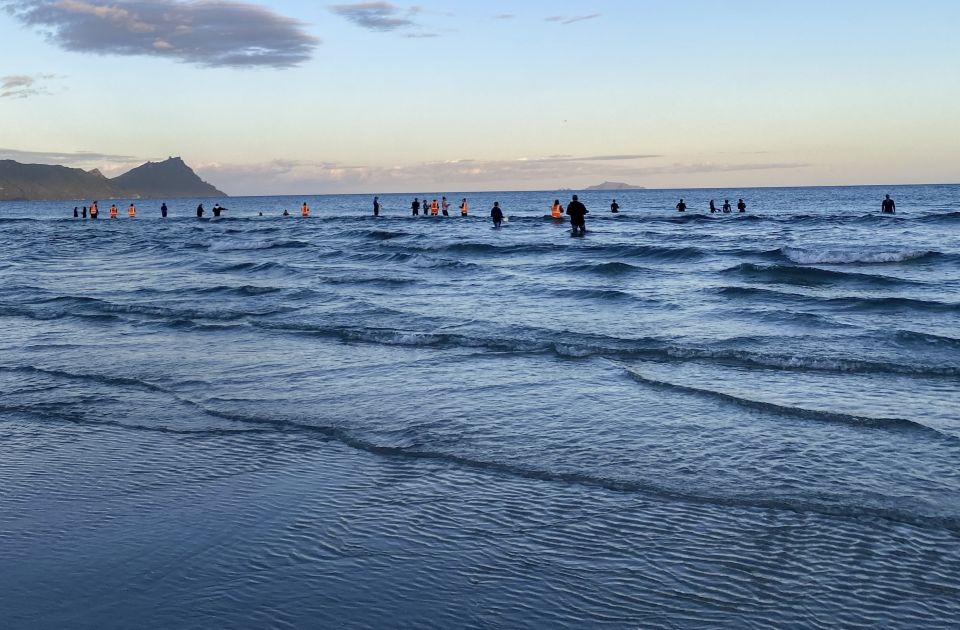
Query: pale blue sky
x=457, y=96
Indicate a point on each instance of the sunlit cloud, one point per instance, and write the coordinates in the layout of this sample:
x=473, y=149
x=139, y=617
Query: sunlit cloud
x=213, y=33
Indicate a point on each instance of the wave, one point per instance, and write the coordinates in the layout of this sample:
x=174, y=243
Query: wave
x=605, y=269
x=604, y=295
x=849, y=302
x=356, y=440
x=229, y=245
x=805, y=276
x=930, y=338
x=853, y=255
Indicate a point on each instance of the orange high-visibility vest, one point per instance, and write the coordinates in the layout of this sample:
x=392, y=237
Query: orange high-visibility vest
x=132, y=211
x=463, y=208
x=113, y=212
x=556, y=211
x=434, y=208
x=305, y=211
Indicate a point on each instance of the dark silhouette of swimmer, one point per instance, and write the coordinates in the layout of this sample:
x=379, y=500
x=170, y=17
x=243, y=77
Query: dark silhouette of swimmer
x=200, y=211
x=614, y=207
x=376, y=206
x=286, y=213
x=217, y=209
x=742, y=207
x=577, y=213
x=713, y=207
x=726, y=206
x=415, y=207
x=496, y=214
x=84, y=213
x=681, y=207
x=163, y=210
x=75, y=213
x=888, y=206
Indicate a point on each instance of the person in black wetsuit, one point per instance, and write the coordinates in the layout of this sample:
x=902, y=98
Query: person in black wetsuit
x=163, y=210
x=577, y=213
x=376, y=206
x=614, y=207
x=888, y=206
x=681, y=207
x=415, y=207
x=496, y=214
x=217, y=209
x=75, y=213
x=713, y=207
x=200, y=211
x=726, y=206
x=84, y=212
x=742, y=207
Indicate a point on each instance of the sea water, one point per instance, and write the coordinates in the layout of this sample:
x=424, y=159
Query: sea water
x=743, y=421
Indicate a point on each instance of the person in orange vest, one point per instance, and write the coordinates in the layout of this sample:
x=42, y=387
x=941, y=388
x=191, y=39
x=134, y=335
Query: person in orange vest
x=305, y=210
x=434, y=208
x=464, y=207
x=113, y=211
x=556, y=211
x=132, y=211
x=94, y=211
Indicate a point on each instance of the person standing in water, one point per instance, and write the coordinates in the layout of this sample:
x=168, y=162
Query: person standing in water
x=217, y=209
x=94, y=211
x=445, y=206
x=556, y=211
x=888, y=206
x=200, y=211
x=726, y=206
x=681, y=207
x=76, y=213
x=577, y=213
x=84, y=212
x=376, y=206
x=415, y=207
x=132, y=211
x=713, y=207
x=304, y=210
x=742, y=207
x=464, y=207
x=614, y=207
x=163, y=210
x=496, y=214
x=434, y=208
x=113, y=211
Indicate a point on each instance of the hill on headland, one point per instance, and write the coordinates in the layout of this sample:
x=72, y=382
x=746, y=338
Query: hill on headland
x=614, y=186
x=168, y=179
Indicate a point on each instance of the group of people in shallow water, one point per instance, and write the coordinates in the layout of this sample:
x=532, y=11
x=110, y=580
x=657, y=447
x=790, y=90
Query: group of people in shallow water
x=575, y=210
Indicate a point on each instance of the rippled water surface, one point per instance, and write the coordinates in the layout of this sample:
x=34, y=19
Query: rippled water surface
x=742, y=421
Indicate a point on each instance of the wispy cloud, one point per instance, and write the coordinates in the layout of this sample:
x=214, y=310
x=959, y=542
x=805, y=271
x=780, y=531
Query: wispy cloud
x=504, y=16
x=378, y=16
x=109, y=164
x=23, y=85
x=566, y=19
x=212, y=33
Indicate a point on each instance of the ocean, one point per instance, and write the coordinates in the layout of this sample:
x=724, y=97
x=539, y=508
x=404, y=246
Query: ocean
x=675, y=421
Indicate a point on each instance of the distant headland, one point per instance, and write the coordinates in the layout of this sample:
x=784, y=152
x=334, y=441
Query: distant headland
x=41, y=182
x=614, y=186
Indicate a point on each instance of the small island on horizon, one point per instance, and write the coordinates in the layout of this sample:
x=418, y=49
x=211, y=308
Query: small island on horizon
x=615, y=186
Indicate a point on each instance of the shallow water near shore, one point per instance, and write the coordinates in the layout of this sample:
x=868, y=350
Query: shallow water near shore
x=743, y=421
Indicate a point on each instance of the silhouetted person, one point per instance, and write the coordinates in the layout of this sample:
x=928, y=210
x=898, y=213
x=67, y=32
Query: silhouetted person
x=681, y=207
x=163, y=210
x=200, y=211
x=726, y=206
x=415, y=207
x=742, y=207
x=614, y=207
x=84, y=212
x=75, y=212
x=577, y=213
x=888, y=206
x=286, y=213
x=464, y=207
x=496, y=214
x=713, y=207
x=376, y=206
x=445, y=207
x=217, y=209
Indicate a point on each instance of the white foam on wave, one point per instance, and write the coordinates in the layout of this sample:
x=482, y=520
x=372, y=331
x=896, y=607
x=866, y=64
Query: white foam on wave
x=229, y=244
x=837, y=256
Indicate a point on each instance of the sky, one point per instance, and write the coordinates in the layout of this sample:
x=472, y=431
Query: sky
x=297, y=97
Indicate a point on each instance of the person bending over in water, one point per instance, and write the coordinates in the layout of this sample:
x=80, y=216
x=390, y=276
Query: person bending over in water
x=496, y=214
x=742, y=207
x=888, y=206
x=415, y=207
x=577, y=212
x=681, y=207
x=556, y=211
x=464, y=207
x=200, y=211
x=614, y=207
